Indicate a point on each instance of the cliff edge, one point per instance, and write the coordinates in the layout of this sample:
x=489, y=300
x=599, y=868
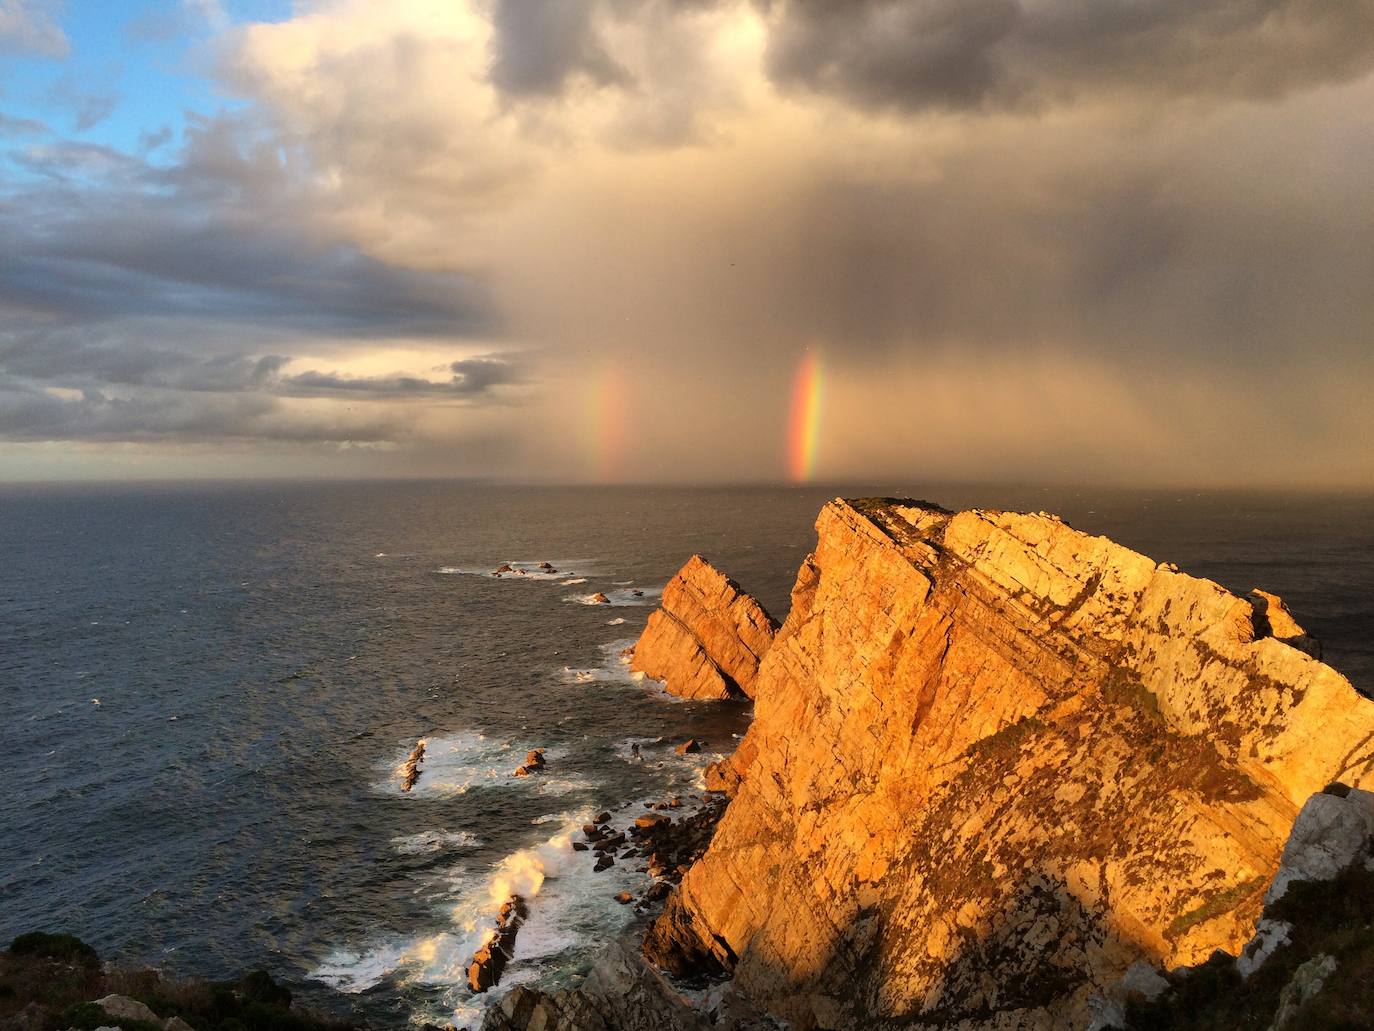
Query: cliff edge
x=994, y=763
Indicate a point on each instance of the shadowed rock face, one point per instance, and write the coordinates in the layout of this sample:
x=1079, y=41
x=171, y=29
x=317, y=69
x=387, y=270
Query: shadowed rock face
x=996, y=761
x=707, y=639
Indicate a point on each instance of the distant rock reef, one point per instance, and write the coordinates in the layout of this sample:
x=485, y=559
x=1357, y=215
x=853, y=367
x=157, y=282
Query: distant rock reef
x=1002, y=775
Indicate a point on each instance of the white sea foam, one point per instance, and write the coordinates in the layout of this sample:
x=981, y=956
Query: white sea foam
x=614, y=667
x=571, y=910
x=563, y=785
x=573, y=582
x=454, y=763
x=618, y=621
x=427, y=842
x=562, y=570
x=619, y=597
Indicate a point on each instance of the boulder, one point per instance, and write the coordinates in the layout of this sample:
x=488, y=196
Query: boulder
x=621, y=993
x=599, y=599
x=1331, y=834
x=689, y=747
x=121, y=1007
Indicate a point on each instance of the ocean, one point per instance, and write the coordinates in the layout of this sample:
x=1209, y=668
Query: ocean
x=208, y=689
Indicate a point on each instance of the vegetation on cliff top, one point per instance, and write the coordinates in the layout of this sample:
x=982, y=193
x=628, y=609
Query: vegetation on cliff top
x=1332, y=919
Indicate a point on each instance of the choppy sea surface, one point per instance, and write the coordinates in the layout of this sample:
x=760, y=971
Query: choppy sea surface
x=207, y=690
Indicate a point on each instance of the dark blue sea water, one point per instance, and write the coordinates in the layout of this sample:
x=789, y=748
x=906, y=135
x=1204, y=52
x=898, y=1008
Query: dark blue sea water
x=264, y=656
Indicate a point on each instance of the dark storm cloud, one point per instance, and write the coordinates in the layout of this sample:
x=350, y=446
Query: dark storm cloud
x=148, y=302
x=82, y=357
x=916, y=54
x=538, y=47
x=31, y=414
x=93, y=233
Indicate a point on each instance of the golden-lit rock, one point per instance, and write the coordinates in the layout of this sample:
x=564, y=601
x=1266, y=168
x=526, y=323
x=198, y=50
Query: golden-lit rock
x=995, y=762
x=708, y=637
x=489, y=961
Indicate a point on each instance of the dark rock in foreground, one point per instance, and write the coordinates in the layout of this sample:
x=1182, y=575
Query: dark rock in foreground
x=50, y=982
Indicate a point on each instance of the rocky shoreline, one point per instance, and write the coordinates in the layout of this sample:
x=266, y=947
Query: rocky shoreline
x=1001, y=775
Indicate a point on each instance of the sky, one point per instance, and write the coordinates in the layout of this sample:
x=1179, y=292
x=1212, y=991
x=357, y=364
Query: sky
x=1118, y=242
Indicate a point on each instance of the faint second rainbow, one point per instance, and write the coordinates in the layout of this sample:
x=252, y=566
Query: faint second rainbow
x=804, y=423
x=607, y=421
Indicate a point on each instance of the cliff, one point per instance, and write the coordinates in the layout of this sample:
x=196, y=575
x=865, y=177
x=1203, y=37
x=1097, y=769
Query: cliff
x=707, y=638
x=994, y=763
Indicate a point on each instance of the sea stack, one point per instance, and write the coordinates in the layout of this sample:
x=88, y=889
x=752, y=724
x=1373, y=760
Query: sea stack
x=708, y=637
x=994, y=763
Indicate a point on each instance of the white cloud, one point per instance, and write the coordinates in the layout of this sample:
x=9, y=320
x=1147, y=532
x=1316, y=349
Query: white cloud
x=31, y=26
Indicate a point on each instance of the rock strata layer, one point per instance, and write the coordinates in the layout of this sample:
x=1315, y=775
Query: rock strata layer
x=994, y=764
x=707, y=639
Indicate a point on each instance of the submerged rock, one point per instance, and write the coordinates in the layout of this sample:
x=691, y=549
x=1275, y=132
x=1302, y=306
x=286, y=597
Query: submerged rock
x=994, y=763
x=707, y=638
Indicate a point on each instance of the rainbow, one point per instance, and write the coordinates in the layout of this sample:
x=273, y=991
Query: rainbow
x=608, y=424
x=804, y=423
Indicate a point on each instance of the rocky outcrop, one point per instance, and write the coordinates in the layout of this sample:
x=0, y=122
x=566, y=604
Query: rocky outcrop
x=409, y=771
x=489, y=961
x=621, y=993
x=708, y=637
x=995, y=763
x=534, y=763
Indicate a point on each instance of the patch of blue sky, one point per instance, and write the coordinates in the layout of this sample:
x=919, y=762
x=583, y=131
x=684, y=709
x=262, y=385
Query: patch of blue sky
x=133, y=71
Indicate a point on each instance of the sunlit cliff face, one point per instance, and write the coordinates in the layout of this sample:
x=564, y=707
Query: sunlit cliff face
x=601, y=240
